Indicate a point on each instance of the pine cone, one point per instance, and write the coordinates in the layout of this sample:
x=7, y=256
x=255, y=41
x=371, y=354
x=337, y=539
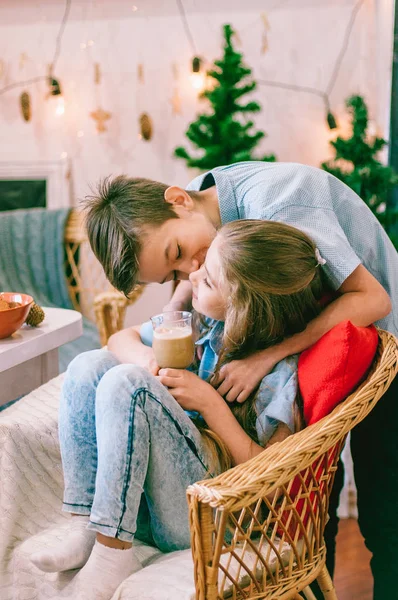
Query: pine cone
x=25, y=103
x=36, y=315
x=146, y=126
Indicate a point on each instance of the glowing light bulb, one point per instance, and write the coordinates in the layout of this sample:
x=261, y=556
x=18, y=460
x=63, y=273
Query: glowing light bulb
x=55, y=93
x=198, y=77
x=59, y=105
x=198, y=81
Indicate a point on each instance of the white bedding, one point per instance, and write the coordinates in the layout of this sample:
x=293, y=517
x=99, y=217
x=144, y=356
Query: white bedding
x=31, y=518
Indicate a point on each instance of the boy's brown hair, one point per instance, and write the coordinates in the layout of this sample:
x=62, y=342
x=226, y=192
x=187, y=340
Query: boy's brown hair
x=115, y=217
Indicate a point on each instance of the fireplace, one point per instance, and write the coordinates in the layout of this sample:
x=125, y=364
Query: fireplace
x=34, y=184
x=27, y=193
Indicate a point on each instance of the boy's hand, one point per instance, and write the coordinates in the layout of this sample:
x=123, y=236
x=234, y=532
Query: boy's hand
x=171, y=306
x=238, y=379
x=190, y=391
x=182, y=297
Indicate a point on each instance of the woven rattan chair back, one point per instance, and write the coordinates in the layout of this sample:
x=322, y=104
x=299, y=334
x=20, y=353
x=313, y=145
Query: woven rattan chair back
x=257, y=530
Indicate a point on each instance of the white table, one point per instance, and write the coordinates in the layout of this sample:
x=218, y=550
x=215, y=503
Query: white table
x=29, y=357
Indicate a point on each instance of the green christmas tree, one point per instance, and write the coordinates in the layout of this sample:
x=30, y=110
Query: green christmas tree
x=355, y=164
x=224, y=133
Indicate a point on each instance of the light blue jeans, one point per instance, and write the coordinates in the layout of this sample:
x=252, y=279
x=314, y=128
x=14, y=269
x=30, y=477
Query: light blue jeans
x=129, y=451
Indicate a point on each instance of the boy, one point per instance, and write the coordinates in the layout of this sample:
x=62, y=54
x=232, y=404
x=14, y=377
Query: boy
x=143, y=231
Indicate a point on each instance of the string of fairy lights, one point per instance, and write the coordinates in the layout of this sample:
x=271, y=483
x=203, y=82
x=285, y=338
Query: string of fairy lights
x=198, y=72
x=54, y=87
x=324, y=94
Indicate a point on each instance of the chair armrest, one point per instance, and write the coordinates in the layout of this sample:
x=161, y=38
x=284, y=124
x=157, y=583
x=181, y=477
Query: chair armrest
x=260, y=476
x=110, y=311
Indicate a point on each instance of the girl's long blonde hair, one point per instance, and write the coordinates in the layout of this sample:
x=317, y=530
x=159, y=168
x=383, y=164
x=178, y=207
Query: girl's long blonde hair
x=271, y=277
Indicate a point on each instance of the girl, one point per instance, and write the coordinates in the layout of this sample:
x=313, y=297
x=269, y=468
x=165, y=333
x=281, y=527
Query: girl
x=129, y=449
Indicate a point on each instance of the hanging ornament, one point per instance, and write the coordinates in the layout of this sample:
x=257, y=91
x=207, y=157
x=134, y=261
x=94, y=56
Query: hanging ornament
x=146, y=126
x=264, y=36
x=23, y=59
x=24, y=101
x=24, y=98
x=140, y=73
x=264, y=44
x=176, y=100
x=97, y=74
x=100, y=117
x=144, y=120
x=176, y=71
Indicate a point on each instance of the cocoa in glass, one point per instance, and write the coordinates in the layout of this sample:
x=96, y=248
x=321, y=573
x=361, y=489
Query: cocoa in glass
x=173, y=343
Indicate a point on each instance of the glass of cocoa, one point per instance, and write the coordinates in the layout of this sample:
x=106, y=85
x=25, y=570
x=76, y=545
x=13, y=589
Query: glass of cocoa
x=173, y=343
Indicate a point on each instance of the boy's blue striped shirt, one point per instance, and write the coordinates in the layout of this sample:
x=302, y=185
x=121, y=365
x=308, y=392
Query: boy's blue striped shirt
x=342, y=226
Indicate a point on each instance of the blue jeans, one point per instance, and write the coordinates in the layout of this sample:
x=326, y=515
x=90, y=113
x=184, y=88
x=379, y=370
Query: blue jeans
x=129, y=451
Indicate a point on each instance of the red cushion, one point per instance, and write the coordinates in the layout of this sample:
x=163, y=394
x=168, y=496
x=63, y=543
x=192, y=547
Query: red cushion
x=327, y=373
x=331, y=369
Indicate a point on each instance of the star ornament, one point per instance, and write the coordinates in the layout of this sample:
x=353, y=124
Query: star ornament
x=100, y=117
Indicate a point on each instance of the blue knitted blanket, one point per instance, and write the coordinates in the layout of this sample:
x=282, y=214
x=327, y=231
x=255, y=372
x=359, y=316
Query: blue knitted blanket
x=32, y=261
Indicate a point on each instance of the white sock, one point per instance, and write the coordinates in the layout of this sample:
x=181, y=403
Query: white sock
x=72, y=552
x=104, y=572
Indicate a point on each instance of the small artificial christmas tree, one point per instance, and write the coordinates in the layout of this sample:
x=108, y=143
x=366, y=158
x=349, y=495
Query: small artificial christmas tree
x=355, y=164
x=223, y=137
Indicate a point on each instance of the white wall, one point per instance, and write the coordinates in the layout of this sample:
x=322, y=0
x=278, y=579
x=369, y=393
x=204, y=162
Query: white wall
x=304, y=41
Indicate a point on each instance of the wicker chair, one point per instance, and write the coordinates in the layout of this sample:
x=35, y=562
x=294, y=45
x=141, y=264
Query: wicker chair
x=241, y=550
x=89, y=290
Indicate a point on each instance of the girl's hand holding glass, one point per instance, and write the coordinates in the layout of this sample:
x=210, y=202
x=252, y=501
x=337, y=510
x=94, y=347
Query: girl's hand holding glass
x=190, y=391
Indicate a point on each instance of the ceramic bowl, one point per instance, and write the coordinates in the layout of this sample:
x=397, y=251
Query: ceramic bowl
x=11, y=319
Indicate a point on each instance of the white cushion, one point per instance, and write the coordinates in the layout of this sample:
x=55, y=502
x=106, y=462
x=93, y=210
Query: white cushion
x=170, y=576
